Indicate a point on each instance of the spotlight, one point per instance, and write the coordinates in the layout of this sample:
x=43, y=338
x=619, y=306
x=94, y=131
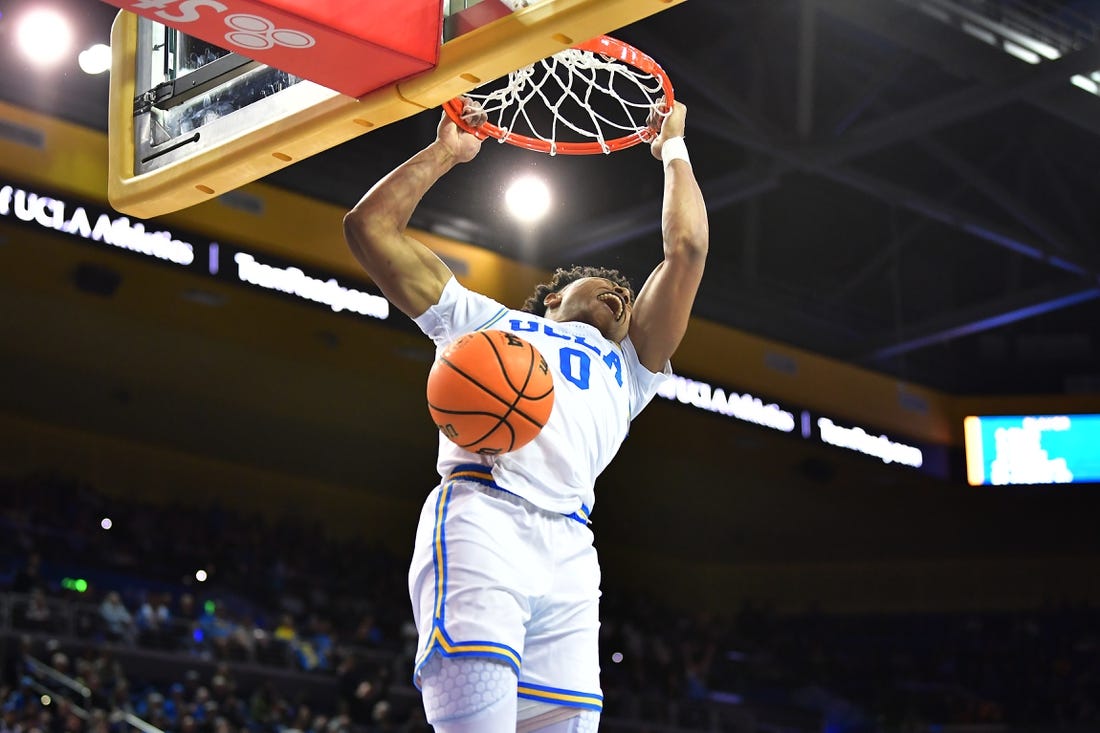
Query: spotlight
x=528, y=199
x=95, y=59
x=44, y=36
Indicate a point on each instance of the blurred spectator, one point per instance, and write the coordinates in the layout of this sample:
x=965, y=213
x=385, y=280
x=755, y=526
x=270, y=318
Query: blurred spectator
x=151, y=708
x=121, y=700
x=381, y=719
x=359, y=688
x=286, y=630
x=117, y=620
x=368, y=632
x=153, y=620
x=28, y=576
x=37, y=616
x=315, y=648
x=229, y=639
x=175, y=703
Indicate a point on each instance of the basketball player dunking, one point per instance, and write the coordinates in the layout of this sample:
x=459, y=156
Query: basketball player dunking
x=504, y=578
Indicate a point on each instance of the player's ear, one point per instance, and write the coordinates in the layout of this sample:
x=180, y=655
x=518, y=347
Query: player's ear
x=551, y=299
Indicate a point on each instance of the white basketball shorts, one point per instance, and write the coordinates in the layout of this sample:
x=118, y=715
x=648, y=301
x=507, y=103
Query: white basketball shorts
x=494, y=576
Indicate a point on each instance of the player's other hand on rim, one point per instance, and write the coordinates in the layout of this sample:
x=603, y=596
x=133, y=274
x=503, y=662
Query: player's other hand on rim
x=666, y=123
x=462, y=145
x=472, y=113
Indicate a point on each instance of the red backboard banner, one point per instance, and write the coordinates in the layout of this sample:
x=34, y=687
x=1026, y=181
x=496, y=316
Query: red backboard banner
x=351, y=46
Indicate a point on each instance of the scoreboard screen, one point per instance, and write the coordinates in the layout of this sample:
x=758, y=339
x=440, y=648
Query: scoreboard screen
x=1032, y=449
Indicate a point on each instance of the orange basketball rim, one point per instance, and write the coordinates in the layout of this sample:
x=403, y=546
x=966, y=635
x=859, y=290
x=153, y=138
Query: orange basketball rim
x=601, y=92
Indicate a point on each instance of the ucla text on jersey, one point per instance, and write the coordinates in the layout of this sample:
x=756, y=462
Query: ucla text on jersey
x=574, y=364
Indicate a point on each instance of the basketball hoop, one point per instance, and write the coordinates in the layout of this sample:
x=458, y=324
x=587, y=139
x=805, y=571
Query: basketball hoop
x=596, y=97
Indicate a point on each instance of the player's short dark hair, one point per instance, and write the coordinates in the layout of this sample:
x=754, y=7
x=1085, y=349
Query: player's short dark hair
x=566, y=276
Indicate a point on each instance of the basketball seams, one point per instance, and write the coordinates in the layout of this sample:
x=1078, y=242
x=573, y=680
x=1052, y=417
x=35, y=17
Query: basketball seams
x=549, y=391
x=501, y=421
x=522, y=390
x=490, y=391
x=531, y=362
x=510, y=405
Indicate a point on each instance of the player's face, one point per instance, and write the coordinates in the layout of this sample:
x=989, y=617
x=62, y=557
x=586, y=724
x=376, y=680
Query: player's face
x=597, y=302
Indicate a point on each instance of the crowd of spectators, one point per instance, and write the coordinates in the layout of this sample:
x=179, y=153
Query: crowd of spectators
x=285, y=597
x=106, y=693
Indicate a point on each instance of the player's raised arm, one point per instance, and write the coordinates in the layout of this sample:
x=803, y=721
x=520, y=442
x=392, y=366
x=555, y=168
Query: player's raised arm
x=663, y=305
x=409, y=274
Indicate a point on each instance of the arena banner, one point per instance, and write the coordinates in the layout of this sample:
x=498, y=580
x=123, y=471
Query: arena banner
x=808, y=424
x=101, y=227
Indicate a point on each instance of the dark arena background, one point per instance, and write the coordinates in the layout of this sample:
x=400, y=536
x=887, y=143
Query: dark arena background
x=214, y=440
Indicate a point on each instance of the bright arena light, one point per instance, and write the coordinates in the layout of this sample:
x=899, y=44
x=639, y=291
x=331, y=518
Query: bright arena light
x=528, y=198
x=44, y=36
x=106, y=523
x=200, y=575
x=95, y=59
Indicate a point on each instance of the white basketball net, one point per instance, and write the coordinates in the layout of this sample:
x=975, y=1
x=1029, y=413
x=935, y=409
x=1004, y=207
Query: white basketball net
x=589, y=97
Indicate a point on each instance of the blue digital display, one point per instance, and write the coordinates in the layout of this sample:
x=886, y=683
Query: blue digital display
x=1032, y=449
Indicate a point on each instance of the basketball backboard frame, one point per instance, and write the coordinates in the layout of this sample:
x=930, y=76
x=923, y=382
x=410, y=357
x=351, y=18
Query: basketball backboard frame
x=328, y=118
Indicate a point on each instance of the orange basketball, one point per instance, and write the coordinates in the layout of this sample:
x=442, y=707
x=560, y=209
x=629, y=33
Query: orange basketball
x=490, y=392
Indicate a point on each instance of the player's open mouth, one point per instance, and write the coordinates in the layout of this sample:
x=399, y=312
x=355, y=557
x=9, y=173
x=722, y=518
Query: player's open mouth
x=614, y=302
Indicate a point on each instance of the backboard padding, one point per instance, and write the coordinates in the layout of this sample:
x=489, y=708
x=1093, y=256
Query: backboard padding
x=351, y=46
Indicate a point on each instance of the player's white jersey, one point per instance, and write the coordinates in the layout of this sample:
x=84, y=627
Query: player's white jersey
x=599, y=387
